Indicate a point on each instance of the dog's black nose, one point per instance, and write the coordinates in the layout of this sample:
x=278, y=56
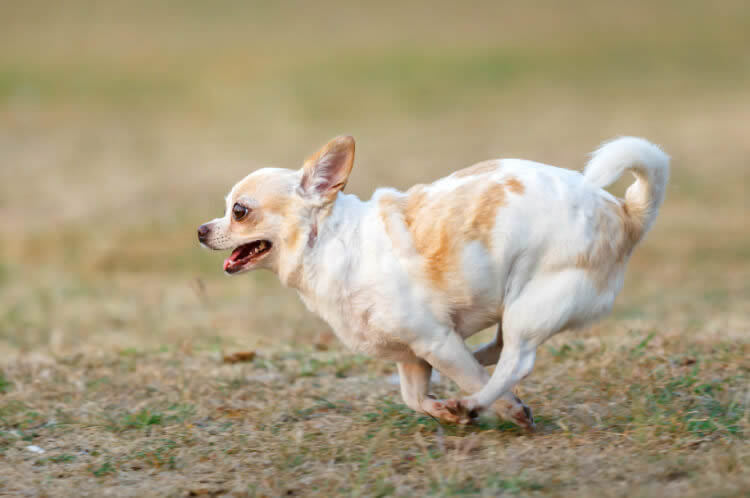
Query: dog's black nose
x=203, y=232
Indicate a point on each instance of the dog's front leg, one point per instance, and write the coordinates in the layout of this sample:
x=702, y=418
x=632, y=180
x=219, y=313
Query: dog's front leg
x=414, y=377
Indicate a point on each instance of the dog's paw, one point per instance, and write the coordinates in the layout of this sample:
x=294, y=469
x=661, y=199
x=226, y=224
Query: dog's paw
x=521, y=415
x=462, y=409
x=515, y=411
x=455, y=411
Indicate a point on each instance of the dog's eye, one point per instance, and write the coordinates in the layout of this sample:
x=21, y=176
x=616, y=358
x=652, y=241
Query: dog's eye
x=239, y=211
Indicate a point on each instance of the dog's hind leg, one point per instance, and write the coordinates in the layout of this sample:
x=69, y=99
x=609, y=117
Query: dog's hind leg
x=509, y=404
x=566, y=297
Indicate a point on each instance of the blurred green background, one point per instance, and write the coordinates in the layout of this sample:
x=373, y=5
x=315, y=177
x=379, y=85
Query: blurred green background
x=123, y=124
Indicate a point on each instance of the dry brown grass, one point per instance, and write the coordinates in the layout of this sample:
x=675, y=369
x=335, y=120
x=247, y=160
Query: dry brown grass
x=121, y=128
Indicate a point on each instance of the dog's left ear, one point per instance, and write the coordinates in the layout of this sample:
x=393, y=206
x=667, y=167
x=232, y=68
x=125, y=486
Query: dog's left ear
x=325, y=173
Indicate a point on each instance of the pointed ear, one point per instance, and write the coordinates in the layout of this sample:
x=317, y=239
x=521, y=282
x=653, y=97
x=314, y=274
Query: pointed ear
x=325, y=173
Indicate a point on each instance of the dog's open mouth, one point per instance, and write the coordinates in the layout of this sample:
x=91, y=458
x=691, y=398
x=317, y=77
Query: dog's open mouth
x=246, y=255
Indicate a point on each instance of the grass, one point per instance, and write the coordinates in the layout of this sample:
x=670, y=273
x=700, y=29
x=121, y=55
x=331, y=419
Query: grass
x=657, y=414
x=121, y=128
x=5, y=384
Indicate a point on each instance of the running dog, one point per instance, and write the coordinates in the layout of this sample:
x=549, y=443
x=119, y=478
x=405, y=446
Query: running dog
x=408, y=276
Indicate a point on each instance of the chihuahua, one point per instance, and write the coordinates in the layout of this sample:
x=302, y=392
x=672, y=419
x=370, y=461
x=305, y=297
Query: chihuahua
x=408, y=276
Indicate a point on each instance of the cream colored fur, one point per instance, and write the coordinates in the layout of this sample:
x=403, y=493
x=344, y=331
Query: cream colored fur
x=407, y=276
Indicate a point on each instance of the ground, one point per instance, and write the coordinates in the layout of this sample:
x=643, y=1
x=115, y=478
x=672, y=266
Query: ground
x=123, y=125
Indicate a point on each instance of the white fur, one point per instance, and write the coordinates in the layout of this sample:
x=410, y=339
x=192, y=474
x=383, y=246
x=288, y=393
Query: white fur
x=368, y=283
x=648, y=163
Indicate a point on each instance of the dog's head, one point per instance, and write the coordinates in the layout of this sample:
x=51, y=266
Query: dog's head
x=271, y=213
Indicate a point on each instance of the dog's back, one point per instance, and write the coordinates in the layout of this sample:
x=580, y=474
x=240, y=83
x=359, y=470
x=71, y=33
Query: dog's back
x=475, y=239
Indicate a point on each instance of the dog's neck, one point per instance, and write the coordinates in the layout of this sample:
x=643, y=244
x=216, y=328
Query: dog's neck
x=323, y=261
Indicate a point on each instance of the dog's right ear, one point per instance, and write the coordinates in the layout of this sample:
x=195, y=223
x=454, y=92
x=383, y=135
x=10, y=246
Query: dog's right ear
x=325, y=173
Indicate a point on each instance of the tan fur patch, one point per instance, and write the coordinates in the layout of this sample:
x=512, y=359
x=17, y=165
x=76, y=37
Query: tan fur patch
x=618, y=232
x=277, y=204
x=441, y=224
x=292, y=235
x=483, y=213
x=478, y=169
x=416, y=198
x=270, y=200
x=632, y=223
x=390, y=205
x=515, y=186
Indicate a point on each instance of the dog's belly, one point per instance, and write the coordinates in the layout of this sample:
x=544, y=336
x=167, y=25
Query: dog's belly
x=374, y=343
x=468, y=322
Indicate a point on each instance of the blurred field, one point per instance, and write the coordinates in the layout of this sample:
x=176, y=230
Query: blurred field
x=122, y=126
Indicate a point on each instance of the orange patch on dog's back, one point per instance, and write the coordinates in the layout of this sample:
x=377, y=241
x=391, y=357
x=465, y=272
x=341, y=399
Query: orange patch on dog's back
x=432, y=222
x=391, y=205
x=482, y=215
x=515, y=186
x=415, y=203
x=443, y=223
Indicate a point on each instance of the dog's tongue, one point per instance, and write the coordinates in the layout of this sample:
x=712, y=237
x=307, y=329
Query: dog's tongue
x=231, y=260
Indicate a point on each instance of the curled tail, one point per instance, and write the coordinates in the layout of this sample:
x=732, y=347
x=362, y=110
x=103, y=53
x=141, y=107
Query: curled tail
x=650, y=166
